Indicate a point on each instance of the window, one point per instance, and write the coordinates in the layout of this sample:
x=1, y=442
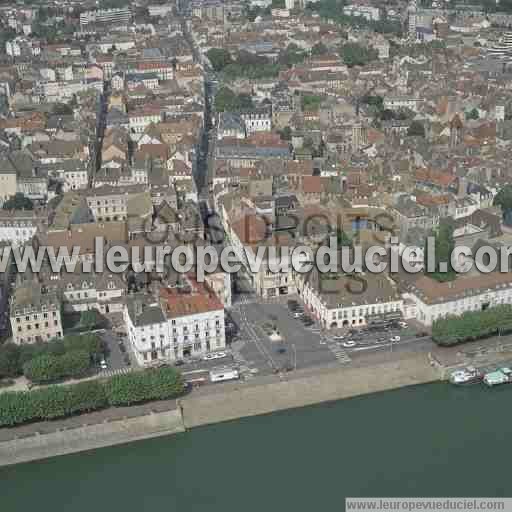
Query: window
x=18, y=320
x=55, y=322
x=197, y=347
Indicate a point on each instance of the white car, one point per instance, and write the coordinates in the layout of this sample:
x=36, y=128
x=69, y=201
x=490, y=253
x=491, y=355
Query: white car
x=103, y=364
x=214, y=355
x=338, y=338
x=394, y=339
x=403, y=325
x=349, y=344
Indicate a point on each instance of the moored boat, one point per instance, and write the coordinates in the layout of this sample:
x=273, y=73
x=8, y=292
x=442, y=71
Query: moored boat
x=469, y=375
x=499, y=376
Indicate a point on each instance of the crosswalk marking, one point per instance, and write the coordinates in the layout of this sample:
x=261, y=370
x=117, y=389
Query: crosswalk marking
x=118, y=371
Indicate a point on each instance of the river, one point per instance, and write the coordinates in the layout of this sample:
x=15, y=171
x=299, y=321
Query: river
x=432, y=440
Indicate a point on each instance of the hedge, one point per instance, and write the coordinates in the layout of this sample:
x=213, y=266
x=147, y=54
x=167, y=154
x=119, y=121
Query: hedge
x=53, y=402
x=472, y=325
x=50, y=368
x=131, y=388
x=50, y=403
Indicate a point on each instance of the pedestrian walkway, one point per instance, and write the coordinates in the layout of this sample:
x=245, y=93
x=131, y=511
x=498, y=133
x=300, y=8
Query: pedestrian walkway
x=339, y=353
x=118, y=371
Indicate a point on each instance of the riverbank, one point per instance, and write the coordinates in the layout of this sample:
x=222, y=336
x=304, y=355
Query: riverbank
x=212, y=404
x=304, y=388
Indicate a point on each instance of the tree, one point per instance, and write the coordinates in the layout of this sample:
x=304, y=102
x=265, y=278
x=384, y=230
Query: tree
x=227, y=100
x=219, y=58
x=503, y=199
x=416, y=129
x=62, y=109
x=472, y=114
x=88, y=319
x=343, y=239
x=18, y=202
x=311, y=102
x=443, y=246
x=354, y=54
x=472, y=325
x=291, y=55
x=42, y=369
x=285, y=133
x=319, y=49
x=10, y=360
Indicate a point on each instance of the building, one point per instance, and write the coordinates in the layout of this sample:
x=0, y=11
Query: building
x=35, y=314
x=109, y=203
x=147, y=330
x=195, y=318
x=434, y=300
x=368, y=12
x=17, y=226
x=349, y=301
x=110, y=16
x=257, y=120
x=230, y=125
x=398, y=102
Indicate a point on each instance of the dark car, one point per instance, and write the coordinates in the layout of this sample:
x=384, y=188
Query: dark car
x=179, y=362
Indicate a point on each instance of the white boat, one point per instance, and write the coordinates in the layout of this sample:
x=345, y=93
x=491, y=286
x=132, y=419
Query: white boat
x=468, y=375
x=500, y=376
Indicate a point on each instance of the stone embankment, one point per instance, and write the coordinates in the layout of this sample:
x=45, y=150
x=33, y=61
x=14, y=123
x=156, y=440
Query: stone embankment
x=214, y=404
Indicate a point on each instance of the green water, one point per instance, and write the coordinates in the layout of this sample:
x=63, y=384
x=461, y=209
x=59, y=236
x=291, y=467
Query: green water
x=433, y=440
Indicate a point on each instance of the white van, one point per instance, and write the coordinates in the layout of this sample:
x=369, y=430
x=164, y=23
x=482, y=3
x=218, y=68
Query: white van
x=223, y=374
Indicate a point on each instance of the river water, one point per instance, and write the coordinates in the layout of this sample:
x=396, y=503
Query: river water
x=432, y=440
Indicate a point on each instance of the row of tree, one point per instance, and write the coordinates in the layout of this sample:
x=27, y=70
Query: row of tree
x=61, y=401
x=472, y=325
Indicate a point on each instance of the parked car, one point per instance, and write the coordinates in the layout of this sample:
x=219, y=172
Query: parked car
x=103, y=364
x=338, y=338
x=122, y=348
x=297, y=315
x=179, y=362
x=214, y=355
x=394, y=339
x=349, y=344
x=403, y=325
